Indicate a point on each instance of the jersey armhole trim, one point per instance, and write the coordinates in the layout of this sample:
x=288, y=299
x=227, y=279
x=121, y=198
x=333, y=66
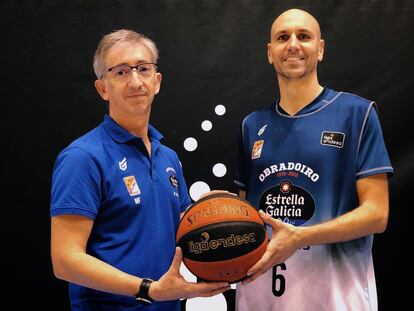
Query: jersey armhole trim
x=240, y=184
x=363, y=127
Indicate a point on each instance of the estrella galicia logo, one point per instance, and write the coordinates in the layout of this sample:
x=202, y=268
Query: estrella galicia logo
x=174, y=181
x=288, y=202
x=334, y=139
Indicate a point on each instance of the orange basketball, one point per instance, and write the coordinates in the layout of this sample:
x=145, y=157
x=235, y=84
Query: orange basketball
x=221, y=237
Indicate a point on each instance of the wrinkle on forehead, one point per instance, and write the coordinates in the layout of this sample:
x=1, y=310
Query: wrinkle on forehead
x=296, y=18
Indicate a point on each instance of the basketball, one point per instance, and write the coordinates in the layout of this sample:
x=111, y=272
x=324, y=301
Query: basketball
x=221, y=237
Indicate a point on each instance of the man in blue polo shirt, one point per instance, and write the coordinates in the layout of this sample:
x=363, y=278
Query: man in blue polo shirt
x=117, y=195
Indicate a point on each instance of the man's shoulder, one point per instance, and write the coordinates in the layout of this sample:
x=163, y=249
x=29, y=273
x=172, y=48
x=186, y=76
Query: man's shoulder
x=258, y=114
x=168, y=151
x=90, y=143
x=353, y=99
x=90, y=140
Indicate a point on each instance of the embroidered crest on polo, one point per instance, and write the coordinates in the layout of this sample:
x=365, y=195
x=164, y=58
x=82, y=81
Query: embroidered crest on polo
x=174, y=181
x=132, y=185
x=123, y=164
x=257, y=149
x=261, y=131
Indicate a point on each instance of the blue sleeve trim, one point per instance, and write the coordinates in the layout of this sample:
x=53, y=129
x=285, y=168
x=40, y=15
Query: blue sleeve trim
x=55, y=211
x=375, y=171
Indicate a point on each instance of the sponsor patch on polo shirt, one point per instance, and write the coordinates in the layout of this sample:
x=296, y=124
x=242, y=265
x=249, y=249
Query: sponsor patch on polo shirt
x=132, y=185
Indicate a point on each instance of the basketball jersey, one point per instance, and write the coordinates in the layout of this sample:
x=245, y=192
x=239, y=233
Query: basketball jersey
x=302, y=169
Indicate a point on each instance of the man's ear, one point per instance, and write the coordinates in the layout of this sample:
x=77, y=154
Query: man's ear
x=321, y=49
x=269, y=53
x=101, y=88
x=158, y=80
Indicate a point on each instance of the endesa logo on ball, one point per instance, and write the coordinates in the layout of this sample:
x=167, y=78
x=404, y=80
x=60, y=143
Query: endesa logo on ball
x=205, y=244
x=222, y=241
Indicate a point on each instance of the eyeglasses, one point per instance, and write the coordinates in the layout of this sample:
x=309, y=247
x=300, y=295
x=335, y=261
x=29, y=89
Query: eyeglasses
x=123, y=72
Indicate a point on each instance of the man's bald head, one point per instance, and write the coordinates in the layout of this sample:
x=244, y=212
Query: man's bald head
x=296, y=17
x=295, y=46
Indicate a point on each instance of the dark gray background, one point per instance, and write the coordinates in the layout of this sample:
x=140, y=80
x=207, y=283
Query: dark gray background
x=211, y=52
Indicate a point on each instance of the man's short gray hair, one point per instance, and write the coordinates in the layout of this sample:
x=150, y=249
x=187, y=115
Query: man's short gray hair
x=119, y=36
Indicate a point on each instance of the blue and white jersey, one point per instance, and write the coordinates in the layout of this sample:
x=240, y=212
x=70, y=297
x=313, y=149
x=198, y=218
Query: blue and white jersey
x=134, y=199
x=302, y=169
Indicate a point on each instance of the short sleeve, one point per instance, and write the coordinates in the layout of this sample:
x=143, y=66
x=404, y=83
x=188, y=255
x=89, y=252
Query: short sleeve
x=372, y=155
x=185, y=199
x=76, y=184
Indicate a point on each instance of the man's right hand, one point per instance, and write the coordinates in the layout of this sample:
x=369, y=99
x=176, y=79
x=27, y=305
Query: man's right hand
x=172, y=285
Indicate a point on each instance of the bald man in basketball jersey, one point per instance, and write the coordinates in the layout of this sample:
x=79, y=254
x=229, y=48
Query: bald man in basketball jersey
x=315, y=164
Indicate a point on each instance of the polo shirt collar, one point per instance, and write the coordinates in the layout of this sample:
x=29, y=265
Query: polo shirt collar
x=121, y=135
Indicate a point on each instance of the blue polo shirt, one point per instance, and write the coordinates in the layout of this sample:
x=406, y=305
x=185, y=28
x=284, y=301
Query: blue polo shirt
x=134, y=199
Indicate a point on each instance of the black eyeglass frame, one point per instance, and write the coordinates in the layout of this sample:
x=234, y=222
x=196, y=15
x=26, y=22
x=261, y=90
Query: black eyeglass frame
x=132, y=67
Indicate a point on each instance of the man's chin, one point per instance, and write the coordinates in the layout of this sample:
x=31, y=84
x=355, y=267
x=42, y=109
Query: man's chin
x=293, y=75
x=141, y=108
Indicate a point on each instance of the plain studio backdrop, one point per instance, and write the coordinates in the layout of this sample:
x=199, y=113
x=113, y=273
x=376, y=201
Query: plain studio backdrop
x=214, y=65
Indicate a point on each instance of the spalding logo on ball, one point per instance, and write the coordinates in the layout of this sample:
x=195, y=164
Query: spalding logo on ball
x=221, y=237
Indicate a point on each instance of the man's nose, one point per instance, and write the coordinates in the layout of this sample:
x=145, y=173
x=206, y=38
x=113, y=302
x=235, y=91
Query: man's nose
x=293, y=41
x=135, y=79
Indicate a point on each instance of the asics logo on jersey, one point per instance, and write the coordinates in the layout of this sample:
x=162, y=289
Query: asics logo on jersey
x=261, y=131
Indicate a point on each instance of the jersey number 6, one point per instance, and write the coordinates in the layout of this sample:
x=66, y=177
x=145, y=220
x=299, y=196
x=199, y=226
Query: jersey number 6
x=278, y=281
